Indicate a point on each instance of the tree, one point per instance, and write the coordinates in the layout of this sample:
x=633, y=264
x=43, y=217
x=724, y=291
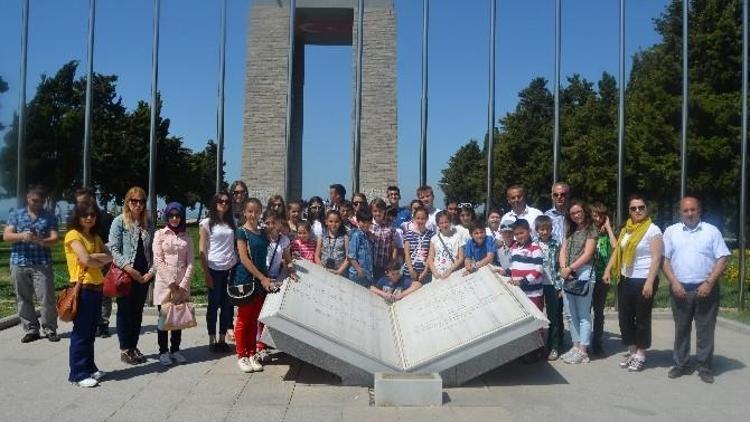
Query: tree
x=653, y=121
x=464, y=178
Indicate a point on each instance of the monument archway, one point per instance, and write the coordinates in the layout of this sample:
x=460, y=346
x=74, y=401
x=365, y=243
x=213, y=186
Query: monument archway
x=324, y=23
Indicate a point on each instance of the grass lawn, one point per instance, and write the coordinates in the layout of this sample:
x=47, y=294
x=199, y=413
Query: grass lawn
x=7, y=293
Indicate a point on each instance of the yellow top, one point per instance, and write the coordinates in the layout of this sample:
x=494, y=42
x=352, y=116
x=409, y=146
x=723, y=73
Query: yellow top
x=92, y=244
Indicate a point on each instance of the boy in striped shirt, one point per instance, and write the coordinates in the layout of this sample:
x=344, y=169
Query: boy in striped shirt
x=527, y=264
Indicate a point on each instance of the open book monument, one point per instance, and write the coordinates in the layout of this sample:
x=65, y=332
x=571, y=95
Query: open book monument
x=461, y=327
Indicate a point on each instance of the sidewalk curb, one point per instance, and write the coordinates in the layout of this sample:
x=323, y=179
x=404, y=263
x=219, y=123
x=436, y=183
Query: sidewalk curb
x=13, y=320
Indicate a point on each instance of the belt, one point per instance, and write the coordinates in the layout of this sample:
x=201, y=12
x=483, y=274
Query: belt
x=92, y=287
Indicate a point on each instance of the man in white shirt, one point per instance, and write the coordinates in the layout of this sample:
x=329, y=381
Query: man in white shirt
x=560, y=196
x=695, y=256
x=516, y=196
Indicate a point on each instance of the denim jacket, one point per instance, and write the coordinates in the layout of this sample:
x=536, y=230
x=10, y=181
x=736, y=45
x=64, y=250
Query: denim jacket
x=123, y=243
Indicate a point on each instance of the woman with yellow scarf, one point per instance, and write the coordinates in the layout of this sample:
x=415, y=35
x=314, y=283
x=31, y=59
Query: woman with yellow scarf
x=635, y=264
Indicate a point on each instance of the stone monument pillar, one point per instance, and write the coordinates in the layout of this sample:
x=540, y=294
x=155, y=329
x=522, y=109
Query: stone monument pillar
x=318, y=22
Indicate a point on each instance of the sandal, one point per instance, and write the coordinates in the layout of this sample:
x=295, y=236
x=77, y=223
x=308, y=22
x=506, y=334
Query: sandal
x=636, y=364
x=626, y=362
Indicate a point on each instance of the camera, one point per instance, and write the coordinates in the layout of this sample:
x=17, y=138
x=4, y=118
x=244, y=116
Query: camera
x=331, y=263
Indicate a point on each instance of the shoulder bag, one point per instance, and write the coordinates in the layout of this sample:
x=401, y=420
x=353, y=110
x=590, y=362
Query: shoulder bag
x=244, y=285
x=67, y=301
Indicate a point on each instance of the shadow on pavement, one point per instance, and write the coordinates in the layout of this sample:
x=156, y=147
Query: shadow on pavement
x=193, y=355
x=517, y=373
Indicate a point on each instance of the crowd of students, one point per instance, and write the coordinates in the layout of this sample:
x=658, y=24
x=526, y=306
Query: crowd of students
x=563, y=260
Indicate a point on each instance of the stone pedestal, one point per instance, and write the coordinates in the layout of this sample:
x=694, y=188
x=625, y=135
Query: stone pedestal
x=406, y=389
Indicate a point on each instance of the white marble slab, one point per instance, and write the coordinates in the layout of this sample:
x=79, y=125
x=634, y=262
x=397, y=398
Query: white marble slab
x=461, y=320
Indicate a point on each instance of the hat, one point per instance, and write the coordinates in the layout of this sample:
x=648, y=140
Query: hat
x=506, y=225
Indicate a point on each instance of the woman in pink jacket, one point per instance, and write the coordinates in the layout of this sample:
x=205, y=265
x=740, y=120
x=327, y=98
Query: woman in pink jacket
x=173, y=258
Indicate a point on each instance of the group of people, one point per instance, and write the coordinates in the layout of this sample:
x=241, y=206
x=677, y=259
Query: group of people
x=563, y=259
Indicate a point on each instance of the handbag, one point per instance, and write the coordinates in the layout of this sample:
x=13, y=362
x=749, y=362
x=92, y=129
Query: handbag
x=67, y=301
x=176, y=316
x=578, y=285
x=117, y=282
x=243, y=285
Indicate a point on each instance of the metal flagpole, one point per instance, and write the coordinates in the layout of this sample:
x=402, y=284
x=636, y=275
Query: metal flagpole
x=491, y=110
x=621, y=121
x=683, y=141
x=220, y=111
x=743, y=170
x=358, y=96
x=21, y=157
x=89, y=95
x=289, y=100
x=556, y=128
x=154, y=105
x=423, y=128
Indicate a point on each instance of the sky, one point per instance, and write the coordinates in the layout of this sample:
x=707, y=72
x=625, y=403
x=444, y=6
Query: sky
x=458, y=68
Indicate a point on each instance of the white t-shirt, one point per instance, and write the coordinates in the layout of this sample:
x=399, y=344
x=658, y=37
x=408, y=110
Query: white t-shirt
x=443, y=253
x=529, y=214
x=642, y=261
x=317, y=229
x=274, y=268
x=431, y=223
x=221, y=254
x=463, y=233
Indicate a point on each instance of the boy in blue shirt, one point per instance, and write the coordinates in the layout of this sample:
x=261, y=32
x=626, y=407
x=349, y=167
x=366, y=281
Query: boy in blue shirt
x=478, y=251
x=393, y=286
x=360, y=253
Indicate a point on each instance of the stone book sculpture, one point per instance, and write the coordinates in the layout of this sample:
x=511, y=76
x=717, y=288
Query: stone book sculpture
x=460, y=327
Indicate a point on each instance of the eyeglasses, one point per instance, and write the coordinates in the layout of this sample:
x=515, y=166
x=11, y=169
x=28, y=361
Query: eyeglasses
x=223, y=201
x=315, y=207
x=137, y=201
x=239, y=192
x=559, y=194
x=175, y=216
x=638, y=208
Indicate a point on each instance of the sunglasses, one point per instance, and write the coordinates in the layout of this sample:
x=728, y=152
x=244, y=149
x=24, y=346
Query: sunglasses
x=223, y=201
x=638, y=208
x=559, y=195
x=89, y=215
x=138, y=201
x=355, y=203
x=465, y=205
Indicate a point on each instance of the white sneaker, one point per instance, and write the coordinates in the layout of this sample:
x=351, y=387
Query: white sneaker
x=255, y=363
x=164, y=359
x=263, y=356
x=88, y=383
x=178, y=357
x=245, y=364
x=98, y=375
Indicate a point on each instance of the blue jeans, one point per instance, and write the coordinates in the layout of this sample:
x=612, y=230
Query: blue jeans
x=130, y=315
x=219, y=301
x=579, y=309
x=81, y=352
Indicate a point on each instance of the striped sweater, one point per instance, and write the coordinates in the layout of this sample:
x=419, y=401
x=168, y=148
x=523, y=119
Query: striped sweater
x=526, y=262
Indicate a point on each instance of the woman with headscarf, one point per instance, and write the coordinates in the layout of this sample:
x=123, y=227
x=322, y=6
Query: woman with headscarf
x=173, y=259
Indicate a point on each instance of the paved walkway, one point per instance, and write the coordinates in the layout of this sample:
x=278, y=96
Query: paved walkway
x=34, y=387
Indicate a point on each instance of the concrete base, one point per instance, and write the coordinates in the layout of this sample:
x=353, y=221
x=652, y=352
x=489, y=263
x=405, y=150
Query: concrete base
x=408, y=389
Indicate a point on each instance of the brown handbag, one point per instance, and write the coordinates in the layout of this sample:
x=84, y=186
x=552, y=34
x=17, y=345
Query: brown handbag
x=67, y=301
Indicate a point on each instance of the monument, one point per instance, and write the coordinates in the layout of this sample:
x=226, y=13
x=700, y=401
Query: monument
x=318, y=22
x=460, y=327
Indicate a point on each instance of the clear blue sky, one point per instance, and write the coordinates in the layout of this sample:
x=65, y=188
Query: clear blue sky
x=458, y=65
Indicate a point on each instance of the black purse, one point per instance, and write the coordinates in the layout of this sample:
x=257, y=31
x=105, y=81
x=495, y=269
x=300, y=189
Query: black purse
x=244, y=286
x=576, y=287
